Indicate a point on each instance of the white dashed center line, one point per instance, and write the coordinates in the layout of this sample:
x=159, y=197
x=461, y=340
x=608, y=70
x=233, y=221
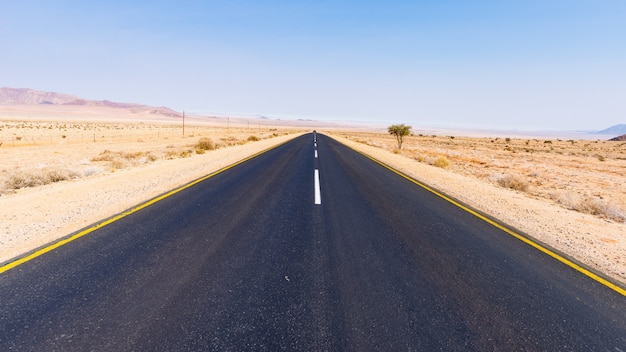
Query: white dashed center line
x=318, y=195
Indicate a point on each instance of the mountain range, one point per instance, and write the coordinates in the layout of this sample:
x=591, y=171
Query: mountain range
x=26, y=96
x=617, y=129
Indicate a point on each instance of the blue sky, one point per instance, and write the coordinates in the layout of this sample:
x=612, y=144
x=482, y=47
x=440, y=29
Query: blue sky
x=519, y=64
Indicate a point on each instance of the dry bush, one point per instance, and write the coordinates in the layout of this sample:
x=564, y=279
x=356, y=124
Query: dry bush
x=24, y=179
x=513, y=182
x=19, y=180
x=253, y=139
x=170, y=154
x=118, y=163
x=150, y=157
x=132, y=156
x=58, y=175
x=205, y=144
x=230, y=141
x=120, y=160
x=106, y=155
x=441, y=162
x=591, y=205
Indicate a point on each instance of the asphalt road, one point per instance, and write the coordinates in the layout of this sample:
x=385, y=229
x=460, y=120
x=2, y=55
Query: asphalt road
x=248, y=261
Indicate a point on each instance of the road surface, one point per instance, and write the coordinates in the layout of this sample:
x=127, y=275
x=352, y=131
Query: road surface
x=312, y=247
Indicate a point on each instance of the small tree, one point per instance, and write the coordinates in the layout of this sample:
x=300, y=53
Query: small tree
x=399, y=131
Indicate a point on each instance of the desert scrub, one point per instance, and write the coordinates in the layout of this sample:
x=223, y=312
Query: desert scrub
x=230, y=141
x=205, y=144
x=171, y=154
x=26, y=179
x=120, y=160
x=591, y=205
x=512, y=182
x=440, y=161
x=253, y=139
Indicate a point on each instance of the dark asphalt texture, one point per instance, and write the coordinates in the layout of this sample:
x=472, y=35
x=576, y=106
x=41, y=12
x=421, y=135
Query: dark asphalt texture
x=245, y=261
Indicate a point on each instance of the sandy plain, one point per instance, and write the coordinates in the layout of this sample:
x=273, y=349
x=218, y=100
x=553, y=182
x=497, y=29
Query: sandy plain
x=567, y=194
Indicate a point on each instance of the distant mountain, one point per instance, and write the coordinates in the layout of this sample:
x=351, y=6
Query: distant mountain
x=25, y=96
x=616, y=130
x=621, y=138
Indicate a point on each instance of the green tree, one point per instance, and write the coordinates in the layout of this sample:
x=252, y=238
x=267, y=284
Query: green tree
x=399, y=131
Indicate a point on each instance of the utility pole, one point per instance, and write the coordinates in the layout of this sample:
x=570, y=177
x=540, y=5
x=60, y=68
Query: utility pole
x=183, y=122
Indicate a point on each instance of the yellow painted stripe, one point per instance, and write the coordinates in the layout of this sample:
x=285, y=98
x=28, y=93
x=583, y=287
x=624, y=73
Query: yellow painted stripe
x=124, y=214
x=520, y=237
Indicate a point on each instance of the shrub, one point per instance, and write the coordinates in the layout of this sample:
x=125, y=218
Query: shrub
x=120, y=160
x=253, y=139
x=591, y=205
x=205, y=144
x=56, y=175
x=441, y=162
x=19, y=180
x=132, y=156
x=118, y=163
x=106, y=155
x=513, y=182
x=151, y=157
x=22, y=179
x=170, y=154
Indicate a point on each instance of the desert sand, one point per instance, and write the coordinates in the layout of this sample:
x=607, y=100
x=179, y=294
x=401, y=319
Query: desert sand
x=63, y=170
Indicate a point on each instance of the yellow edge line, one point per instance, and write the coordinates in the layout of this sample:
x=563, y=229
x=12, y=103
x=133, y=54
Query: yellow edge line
x=124, y=214
x=524, y=239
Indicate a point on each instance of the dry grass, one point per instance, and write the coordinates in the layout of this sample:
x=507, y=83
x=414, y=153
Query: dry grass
x=25, y=179
x=441, y=162
x=205, y=144
x=120, y=160
x=513, y=182
x=591, y=205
